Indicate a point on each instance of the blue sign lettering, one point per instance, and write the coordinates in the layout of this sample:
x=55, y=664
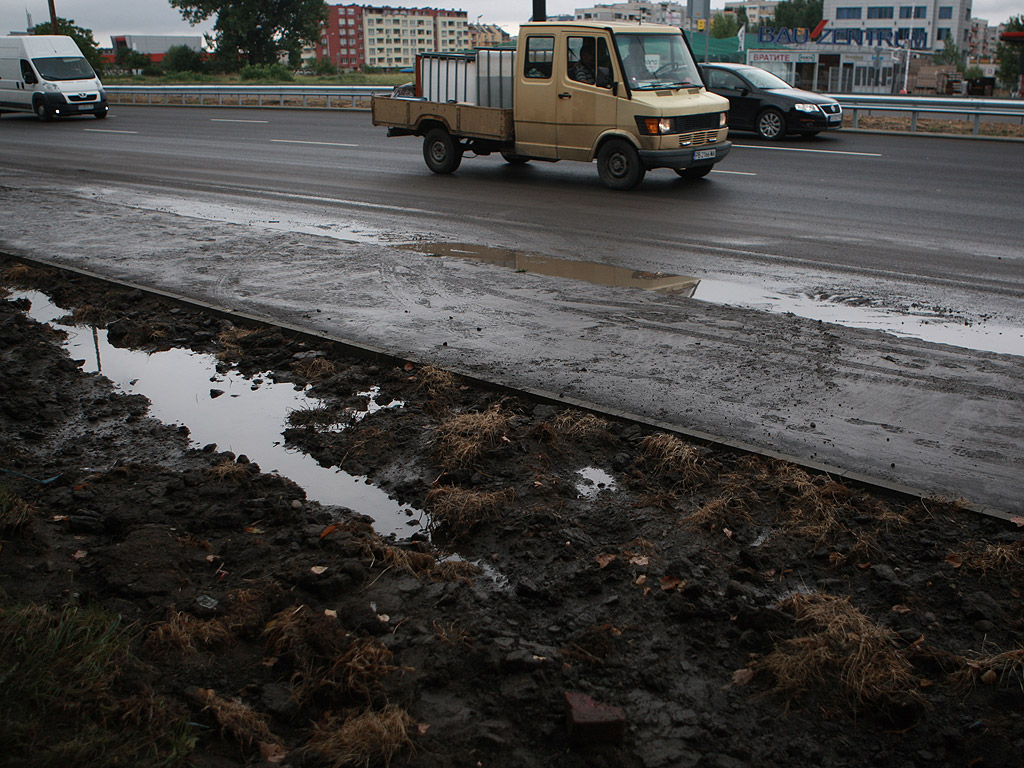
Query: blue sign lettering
x=918, y=39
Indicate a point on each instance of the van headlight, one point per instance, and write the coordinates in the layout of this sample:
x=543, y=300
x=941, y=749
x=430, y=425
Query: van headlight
x=805, y=107
x=50, y=87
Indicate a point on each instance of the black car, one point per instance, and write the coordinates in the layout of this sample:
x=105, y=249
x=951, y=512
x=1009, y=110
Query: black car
x=766, y=104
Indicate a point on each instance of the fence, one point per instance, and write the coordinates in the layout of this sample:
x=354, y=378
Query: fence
x=358, y=97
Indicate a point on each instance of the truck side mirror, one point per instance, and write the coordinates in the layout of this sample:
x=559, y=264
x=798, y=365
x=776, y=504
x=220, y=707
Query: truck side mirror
x=615, y=87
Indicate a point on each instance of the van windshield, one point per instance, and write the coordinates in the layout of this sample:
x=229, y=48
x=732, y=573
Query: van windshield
x=656, y=61
x=64, y=68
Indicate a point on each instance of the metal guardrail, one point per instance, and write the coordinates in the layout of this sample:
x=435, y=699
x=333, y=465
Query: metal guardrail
x=358, y=97
x=973, y=109
x=297, y=96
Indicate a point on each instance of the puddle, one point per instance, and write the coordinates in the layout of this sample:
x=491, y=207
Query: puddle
x=592, y=481
x=249, y=417
x=917, y=323
x=589, y=271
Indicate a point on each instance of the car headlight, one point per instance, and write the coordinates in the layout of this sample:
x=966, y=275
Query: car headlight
x=805, y=107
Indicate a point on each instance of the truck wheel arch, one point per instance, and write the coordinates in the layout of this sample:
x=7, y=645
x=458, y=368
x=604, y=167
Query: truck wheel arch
x=429, y=123
x=607, y=136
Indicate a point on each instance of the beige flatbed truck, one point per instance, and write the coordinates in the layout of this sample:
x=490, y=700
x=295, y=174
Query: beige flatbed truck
x=629, y=96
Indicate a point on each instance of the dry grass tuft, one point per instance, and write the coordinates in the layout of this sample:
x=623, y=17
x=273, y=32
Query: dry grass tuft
x=578, y=425
x=351, y=740
x=185, y=634
x=363, y=665
x=315, y=369
x=15, y=513
x=1001, y=668
x=248, y=608
x=672, y=455
x=462, y=510
x=87, y=314
x=440, y=385
x=419, y=564
x=724, y=512
x=844, y=653
x=460, y=440
x=228, y=471
x=25, y=275
x=451, y=634
x=234, y=339
x=313, y=417
x=1002, y=558
x=246, y=725
x=297, y=630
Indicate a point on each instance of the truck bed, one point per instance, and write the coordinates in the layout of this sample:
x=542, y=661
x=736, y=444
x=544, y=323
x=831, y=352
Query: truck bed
x=466, y=120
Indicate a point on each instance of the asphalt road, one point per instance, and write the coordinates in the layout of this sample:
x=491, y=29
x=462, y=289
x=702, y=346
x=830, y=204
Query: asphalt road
x=849, y=228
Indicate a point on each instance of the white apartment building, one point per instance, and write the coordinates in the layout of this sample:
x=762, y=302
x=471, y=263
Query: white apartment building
x=640, y=10
x=925, y=23
x=757, y=13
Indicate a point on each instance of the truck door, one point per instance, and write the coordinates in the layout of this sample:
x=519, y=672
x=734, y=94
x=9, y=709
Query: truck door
x=585, y=106
x=535, y=93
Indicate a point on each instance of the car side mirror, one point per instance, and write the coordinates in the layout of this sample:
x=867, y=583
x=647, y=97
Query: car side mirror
x=744, y=91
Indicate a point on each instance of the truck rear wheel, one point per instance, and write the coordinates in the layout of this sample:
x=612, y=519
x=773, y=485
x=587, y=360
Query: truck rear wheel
x=619, y=165
x=441, y=152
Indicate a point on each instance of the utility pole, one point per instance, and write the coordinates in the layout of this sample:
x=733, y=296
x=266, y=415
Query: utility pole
x=53, y=19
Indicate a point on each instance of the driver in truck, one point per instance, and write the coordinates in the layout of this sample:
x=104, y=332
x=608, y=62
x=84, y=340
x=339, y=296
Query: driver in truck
x=635, y=63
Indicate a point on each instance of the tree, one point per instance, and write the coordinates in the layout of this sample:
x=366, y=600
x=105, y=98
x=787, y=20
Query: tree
x=129, y=58
x=82, y=37
x=256, y=31
x=181, y=58
x=1009, y=55
x=795, y=14
x=724, y=25
x=950, y=54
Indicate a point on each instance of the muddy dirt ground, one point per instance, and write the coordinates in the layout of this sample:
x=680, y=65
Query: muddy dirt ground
x=702, y=608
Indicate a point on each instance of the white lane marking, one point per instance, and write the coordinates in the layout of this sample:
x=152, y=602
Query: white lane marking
x=106, y=130
x=820, y=151
x=735, y=173
x=319, y=143
x=232, y=120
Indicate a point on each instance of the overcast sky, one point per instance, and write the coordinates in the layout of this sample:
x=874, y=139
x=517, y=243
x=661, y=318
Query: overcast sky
x=157, y=17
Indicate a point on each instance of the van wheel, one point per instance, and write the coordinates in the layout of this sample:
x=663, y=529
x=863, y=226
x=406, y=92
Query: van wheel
x=441, y=152
x=618, y=165
x=513, y=159
x=771, y=124
x=694, y=173
x=43, y=112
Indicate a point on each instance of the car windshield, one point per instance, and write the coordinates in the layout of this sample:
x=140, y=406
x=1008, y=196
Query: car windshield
x=656, y=61
x=763, y=79
x=64, y=68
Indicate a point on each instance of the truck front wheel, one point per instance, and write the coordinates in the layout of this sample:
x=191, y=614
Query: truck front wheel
x=441, y=152
x=619, y=165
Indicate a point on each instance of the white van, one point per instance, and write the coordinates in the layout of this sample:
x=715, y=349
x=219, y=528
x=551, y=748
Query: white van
x=48, y=75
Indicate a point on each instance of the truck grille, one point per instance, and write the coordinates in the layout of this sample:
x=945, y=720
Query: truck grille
x=696, y=139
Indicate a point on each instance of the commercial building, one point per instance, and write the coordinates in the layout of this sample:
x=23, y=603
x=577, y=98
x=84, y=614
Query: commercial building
x=357, y=36
x=926, y=24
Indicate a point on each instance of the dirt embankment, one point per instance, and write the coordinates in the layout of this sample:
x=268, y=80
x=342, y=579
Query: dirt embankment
x=166, y=604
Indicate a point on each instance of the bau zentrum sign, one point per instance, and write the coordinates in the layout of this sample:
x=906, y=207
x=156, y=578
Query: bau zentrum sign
x=871, y=38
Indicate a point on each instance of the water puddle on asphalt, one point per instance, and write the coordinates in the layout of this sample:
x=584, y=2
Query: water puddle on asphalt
x=247, y=418
x=853, y=312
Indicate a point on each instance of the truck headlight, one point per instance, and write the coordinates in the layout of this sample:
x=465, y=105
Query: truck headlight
x=722, y=121
x=656, y=126
x=805, y=107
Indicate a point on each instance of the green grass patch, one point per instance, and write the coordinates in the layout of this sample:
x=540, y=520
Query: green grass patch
x=65, y=699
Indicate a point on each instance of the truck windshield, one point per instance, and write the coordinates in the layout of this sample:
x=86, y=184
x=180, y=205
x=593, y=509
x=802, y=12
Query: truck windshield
x=656, y=61
x=64, y=68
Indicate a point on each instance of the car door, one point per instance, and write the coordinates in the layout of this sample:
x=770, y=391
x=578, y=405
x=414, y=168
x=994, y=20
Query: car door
x=585, y=104
x=744, y=100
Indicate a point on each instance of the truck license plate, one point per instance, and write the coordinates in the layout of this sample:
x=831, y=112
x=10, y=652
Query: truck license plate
x=703, y=154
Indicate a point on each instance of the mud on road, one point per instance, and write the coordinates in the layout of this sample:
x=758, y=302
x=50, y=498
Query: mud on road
x=695, y=608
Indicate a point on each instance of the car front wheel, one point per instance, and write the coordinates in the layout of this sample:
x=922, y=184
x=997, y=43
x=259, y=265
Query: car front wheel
x=771, y=124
